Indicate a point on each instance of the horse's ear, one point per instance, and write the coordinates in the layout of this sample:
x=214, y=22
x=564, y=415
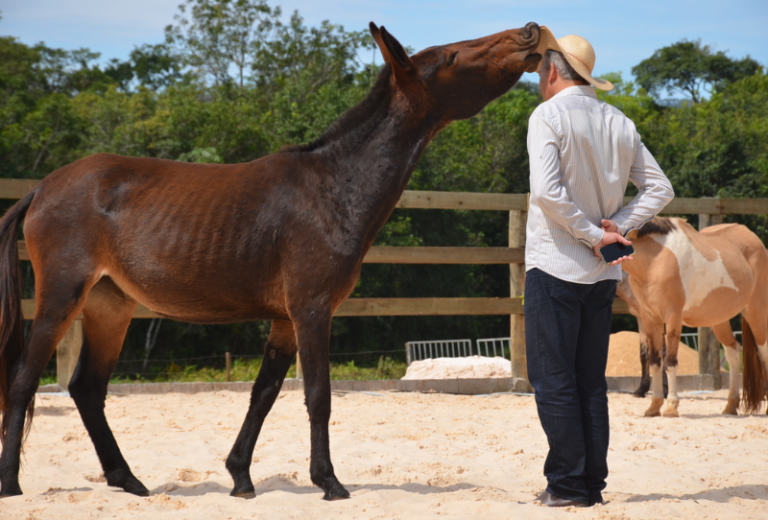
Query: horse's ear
x=393, y=53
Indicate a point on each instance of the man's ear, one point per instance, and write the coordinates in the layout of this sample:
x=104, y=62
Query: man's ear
x=393, y=53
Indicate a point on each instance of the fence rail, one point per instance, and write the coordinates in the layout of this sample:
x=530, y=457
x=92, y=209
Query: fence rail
x=515, y=204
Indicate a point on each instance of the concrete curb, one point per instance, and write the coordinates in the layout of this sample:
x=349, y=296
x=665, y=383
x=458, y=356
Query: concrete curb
x=690, y=383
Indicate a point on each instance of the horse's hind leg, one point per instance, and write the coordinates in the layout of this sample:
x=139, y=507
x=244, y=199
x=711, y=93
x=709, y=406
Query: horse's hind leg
x=724, y=335
x=279, y=353
x=57, y=307
x=106, y=316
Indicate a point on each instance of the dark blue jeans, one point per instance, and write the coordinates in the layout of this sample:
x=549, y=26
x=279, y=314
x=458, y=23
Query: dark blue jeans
x=567, y=329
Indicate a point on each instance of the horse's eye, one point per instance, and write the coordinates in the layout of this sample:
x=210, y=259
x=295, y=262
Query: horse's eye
x=452, y=59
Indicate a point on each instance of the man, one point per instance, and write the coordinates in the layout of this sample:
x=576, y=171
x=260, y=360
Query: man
x=582, y=154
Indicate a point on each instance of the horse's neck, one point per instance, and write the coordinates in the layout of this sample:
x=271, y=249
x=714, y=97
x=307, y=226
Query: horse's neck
x=370, y=166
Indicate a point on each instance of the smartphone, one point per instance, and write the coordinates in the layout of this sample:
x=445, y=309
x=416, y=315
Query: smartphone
x=615, y=251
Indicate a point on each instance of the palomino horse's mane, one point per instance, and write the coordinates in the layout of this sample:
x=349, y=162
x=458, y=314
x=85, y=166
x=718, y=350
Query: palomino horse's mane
x=658, y=226
x=361, y=113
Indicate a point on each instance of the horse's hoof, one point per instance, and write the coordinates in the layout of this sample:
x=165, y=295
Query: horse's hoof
x=246, y=495
x=132, y=485
x=671, y=412
x=337, y=492
x=652, y=413
x=730, y=411
x=10, y=490
x=330, y=498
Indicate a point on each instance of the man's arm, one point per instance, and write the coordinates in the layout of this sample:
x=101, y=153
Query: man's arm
x=655, y=192
x=546, y=189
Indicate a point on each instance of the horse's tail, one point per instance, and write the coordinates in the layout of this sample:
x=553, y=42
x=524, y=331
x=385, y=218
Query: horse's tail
x=11, y=317
x=753, y=378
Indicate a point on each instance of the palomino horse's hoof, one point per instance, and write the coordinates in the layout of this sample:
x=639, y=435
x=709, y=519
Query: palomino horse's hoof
x=732, y=407
x=670, y=412
x=655, y=408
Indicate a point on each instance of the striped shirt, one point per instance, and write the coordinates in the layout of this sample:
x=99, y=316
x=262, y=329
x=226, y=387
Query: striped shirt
x=582, y=153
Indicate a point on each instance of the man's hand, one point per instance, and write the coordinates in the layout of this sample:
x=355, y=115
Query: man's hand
x=612, y=236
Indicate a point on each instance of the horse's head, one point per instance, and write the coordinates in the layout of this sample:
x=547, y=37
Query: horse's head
x=458, y=80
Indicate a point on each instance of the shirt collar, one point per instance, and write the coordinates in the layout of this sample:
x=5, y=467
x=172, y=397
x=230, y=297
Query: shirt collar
x=577, y=90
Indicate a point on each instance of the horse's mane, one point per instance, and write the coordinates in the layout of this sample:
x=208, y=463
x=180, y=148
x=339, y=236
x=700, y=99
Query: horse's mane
x=658, y=226
x=352, y=118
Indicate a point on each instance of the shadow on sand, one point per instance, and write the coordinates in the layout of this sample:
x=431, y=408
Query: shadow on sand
x=285, y=483
x=721, y=495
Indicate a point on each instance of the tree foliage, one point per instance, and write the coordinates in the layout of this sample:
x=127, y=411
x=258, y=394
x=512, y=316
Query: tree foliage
x=692, y=69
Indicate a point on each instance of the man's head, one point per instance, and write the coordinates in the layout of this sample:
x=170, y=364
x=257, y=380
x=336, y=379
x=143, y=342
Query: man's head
x=566, y=62
x=555, y=74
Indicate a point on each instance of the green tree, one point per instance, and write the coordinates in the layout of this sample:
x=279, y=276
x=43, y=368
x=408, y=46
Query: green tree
x=690, y=68
x=216, y=35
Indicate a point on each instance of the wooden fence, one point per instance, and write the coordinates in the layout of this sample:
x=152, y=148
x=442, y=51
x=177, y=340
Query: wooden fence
x=710, y=212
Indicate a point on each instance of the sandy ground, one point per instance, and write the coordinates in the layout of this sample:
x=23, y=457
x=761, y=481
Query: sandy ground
x=402, y=455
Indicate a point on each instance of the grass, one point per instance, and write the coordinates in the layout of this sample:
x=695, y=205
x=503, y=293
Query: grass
x=248, y=369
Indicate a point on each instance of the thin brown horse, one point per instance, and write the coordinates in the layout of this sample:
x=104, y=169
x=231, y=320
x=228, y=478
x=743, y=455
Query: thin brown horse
x=279, y=238
x=702, y=279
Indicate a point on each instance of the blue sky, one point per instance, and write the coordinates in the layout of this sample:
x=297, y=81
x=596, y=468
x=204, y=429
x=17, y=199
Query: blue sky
x=623, y=33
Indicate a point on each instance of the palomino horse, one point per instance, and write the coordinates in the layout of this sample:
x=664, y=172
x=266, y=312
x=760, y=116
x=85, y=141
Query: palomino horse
x=702, y=279
x=279, y=238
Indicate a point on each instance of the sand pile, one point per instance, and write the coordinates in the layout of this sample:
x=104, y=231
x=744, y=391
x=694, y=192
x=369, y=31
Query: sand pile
x=624, y=356
x=472, y=367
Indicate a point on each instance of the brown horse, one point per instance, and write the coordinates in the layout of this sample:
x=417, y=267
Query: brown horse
x=279, y=238
x=702, y=279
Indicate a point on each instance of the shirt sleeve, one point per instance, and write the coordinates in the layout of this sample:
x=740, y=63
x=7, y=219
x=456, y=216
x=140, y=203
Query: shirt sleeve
x=655, y=191
x=547, y=190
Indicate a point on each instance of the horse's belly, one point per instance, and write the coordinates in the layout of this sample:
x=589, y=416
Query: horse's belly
x=206, y=300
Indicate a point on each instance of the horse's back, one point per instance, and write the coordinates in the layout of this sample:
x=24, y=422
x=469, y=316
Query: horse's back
x=209, y=234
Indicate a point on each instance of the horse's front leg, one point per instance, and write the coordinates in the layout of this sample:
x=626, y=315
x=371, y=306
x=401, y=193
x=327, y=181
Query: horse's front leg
x=645, y=379
x=654, y=334
x=674, y=328
x=279, y=353
x=313, y=331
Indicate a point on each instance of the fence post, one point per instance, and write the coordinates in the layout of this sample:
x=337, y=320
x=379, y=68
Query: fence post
x=228, y=361
x=68, y=352
x=709, y=346
x=517, y=221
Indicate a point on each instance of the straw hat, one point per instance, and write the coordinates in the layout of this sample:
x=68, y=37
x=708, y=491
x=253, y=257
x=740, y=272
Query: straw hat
x=578, y=52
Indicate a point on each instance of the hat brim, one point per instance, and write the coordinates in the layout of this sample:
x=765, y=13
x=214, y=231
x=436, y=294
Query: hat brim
x=547, y=41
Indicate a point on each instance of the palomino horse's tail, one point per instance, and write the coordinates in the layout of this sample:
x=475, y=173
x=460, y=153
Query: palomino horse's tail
x=11, y=318
x=753, y=378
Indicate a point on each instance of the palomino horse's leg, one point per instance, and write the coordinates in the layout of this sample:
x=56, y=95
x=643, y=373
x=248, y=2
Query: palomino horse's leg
x=313, y=333
x=756, y=315
x=654, y=332
x=674, y=328
x=279, y=353
x=106, y=316
x=724, y=335
x=645, y=379
x=57, y=308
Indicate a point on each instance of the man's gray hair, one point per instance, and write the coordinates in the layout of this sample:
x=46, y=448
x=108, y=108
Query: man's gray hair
x=564, y=68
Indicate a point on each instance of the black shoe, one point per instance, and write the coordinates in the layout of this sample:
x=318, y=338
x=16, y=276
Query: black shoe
x=550, y=500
